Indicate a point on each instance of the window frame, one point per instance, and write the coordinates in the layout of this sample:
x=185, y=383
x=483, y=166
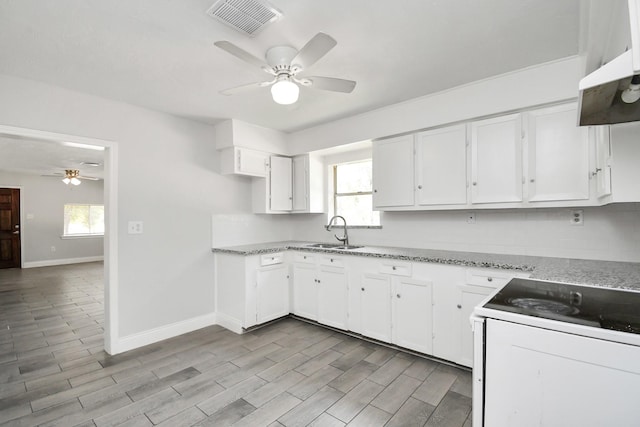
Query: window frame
x=335, y=194
x=81, y=235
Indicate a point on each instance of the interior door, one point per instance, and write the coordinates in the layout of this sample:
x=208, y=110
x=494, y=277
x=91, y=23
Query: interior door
x=9, y=228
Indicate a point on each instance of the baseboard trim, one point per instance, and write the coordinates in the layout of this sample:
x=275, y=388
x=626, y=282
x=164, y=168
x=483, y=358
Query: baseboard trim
x=65, y=261
x=230, y=323
x=151, y=336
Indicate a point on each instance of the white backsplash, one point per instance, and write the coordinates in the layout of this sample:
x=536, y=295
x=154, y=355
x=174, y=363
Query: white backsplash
x=608, y=233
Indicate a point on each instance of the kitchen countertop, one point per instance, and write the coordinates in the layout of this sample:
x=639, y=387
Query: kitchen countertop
x=623, y=275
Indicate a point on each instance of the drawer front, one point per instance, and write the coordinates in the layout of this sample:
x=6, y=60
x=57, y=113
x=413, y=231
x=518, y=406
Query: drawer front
x=490, y=278
x=304, y=258
x=332, y=261
x=396, y=268
x=272, y=259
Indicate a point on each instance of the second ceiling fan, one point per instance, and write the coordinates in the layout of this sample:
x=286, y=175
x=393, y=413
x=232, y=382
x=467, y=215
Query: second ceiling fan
x=284, y=63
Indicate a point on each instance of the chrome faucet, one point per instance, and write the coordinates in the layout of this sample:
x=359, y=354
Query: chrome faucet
x=344, y=239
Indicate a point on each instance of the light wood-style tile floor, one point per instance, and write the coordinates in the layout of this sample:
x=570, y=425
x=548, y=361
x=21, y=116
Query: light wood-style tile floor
x=54, y=371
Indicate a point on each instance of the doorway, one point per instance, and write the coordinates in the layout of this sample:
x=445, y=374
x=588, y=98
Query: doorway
x=10, y=244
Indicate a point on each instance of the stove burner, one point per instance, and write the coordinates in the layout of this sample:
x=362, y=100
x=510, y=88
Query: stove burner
x=543, y=305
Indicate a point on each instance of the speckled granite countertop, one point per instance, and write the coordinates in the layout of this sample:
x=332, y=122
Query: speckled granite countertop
x=584, y=272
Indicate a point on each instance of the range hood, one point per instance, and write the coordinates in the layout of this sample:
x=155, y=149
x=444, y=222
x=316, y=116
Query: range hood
x=602, y=97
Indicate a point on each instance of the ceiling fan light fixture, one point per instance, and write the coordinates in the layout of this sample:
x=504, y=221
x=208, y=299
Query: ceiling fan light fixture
x=71, y=177
x=75, y=181
x=66, y=180
x=285, y=92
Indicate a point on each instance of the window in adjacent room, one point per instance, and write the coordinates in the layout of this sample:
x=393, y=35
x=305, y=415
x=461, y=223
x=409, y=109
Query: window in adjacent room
x=352, y=194
x=83, y=220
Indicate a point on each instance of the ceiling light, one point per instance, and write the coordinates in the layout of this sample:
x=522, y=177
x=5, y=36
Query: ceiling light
x=632, y=93
x=71, y=177
x=285, y=92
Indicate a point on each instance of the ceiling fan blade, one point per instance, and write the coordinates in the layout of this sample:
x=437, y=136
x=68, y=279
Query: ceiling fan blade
x=329, y=83
x=89, y=178
x=246, y=88
x=315, y=49
x=243, y=55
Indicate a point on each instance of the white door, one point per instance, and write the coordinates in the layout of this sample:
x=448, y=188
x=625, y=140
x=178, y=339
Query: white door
x=300, y=186
x=539, y=377
x=441, y=166
x=558, y=155
x=496, y=160
x=375, y=308
x=333, y=297
x=393, y=172
x=413, y=315
x=273, y=292
x=305, y=297
x=280, y=185
x=469, y=297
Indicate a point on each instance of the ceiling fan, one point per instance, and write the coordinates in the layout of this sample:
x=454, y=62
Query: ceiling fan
x=284, y=63
x=72, y=176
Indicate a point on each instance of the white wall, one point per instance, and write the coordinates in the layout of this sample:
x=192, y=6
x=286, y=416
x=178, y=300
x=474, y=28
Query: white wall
x=168, y=178
x=43, y=200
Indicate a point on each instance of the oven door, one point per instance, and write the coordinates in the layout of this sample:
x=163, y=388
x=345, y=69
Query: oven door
x=540, y=377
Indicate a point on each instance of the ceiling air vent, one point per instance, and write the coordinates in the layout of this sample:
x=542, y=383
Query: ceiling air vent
x=247, y=16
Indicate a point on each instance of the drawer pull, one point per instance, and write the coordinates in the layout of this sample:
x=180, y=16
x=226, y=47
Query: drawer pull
x=398, y=295
x=459, y=305
x=393, y=268
x=489, y=279
x=362, y=289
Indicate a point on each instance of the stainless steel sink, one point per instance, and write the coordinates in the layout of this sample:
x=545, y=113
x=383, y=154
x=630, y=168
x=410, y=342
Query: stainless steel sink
x=333, y=246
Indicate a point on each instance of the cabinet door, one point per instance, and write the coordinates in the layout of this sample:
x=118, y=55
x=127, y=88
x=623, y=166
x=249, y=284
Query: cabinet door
x=558, y=155
x=496, y=160
x=272, y=299
x=441, y=166
x=300, y=184
x=602, y=171
x=376, y=307
x=393, y=172
x=280, y=184
x=333, y=297
x=251, y=162
x=413, y=315
x=305, y=297
x=469, y=297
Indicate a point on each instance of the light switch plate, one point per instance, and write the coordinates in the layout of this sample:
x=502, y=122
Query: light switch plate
x=471, y=217
x=135, y=227
x=577, y=217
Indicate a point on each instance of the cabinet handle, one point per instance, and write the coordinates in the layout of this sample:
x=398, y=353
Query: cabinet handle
x=318, y=280
x=419, y=187
x=489, y=279
x=393, y=268
x=362, y=289
x=474, y=183
x=375, y=191
x=398, y=295
x=532, y=180
x=331, y=259
x=459, y=306
x=304, y=257
x=287, y=276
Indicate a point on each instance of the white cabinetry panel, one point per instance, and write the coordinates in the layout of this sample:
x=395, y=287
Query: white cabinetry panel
x=413, y=315
x=393, y=172
x=496, y=160
x=376, y=307
x=441, y=166
x=558, y=155
x=333, y=297
x=281, y=185
x=272, y=293
x=305, y=296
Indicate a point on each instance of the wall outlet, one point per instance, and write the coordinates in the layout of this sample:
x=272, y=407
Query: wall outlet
x=471, y=217
x=577, y=217
x=134, y=227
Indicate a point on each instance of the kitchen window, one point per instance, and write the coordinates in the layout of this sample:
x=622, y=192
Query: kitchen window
x=83, y=220
x=352, y=194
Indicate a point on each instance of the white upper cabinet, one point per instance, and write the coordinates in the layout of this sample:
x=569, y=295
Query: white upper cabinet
x=243, y=161
x=558, y=155
x=393, y=172
x=602, y=168
x=308, y=184
x=496, y=160
x=281, y=184
x=441, y=166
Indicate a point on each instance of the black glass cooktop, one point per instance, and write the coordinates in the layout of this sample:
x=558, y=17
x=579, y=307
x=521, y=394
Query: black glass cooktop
x=598, y=307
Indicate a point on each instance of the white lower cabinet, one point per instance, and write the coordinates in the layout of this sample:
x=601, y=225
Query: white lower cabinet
x=305, y=301
x=412, y=323
x=375, y=306
x=332, y=297
x=272, y=295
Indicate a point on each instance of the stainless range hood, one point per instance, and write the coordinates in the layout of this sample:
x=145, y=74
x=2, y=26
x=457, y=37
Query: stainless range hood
x=601, y=100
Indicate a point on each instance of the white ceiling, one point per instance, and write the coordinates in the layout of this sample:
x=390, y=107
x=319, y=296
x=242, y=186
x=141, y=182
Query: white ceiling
x=159, y=54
